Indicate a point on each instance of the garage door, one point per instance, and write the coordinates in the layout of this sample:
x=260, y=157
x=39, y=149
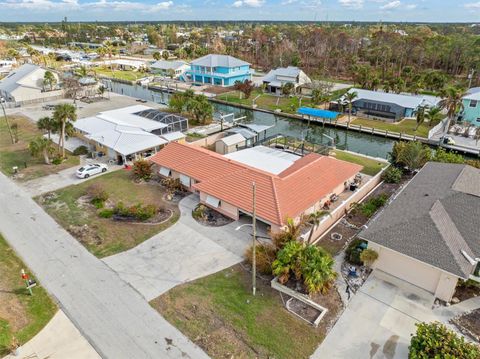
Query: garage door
x=407, y=269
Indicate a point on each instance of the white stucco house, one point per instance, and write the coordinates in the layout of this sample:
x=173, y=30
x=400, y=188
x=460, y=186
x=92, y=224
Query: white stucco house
x=428, y=235
x=25, y=84
x=276, y=78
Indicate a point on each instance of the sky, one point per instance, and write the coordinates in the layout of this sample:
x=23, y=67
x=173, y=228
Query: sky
x=310, y=10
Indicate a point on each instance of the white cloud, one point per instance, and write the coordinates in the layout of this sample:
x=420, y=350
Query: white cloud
x=116, y=5
x=289, y=2
x=391, y=5
x=248, y=3
x=411, y=6
x=351, y=4
x=473, y=6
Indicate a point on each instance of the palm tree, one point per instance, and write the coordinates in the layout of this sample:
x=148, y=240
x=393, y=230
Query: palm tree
x=314, y=219
x=350, y=96
x=64, y=115
x=434, y=116
x=420, y=117
x=49, y=79
x=48, y=125
x=43, y=146
x=452, y=102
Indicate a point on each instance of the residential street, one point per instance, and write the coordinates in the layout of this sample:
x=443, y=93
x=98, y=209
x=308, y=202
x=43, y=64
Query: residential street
x=183, y=252
x=113, y=317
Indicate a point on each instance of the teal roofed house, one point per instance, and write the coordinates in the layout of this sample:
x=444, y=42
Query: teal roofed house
x=220, y=70
x=471, y=107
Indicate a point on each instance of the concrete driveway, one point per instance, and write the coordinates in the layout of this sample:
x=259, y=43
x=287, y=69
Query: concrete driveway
x=59, y=180
x=182, y=253
x=378, y=321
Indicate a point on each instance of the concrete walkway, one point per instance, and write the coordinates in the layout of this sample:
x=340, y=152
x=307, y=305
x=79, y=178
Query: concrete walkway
x=59, y=180
x=182, y=253
x=110, y=314
x=59, y=339
x=378, y=321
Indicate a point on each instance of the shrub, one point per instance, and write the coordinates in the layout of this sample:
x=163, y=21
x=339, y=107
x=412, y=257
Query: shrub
x=435, y=340
x=57, y=161
x=142, y=170
x=264, y=255
x=80, y=150
x=368, y=256
x=138, y=211
x=172, y=184
x=369, y=207
x=353, y=251
x=106, y=213
x=98, y=194
x=392, y=175
x=200, y=212
x=309, y=263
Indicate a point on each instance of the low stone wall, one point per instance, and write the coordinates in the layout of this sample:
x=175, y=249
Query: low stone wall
x=341, y=210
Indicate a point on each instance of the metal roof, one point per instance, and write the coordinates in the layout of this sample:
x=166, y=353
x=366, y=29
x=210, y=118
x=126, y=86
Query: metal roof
x=128, y=116
x=9, y=83
x=213, y=60
x=168, y=65
x=233, y=139
x=403, y=100
x=315, y=112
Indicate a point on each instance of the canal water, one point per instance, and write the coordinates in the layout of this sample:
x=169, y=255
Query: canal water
x=346, y=140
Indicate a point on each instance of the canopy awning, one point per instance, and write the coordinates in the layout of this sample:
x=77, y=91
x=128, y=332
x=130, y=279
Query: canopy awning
x=316, y=112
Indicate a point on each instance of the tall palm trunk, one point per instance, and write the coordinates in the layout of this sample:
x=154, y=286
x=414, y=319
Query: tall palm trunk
x=45, y=156
x=63, y=139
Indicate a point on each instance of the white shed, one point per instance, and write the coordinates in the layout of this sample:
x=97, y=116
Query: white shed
x=229, y=144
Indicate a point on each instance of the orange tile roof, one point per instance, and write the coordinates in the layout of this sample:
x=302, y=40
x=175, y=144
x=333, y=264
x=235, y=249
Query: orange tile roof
x=288, y=194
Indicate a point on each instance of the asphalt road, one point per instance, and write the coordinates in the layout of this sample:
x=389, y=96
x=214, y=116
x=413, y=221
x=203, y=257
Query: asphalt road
x=113, y=317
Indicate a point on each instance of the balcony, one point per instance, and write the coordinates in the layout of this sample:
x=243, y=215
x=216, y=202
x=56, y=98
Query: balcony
x=220, y=74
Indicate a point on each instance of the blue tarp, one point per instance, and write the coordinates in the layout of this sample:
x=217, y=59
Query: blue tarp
x=315, y=112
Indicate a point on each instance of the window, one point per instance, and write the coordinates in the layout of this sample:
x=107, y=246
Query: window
x=473, y=103
x=185, y=180
x=212, y=201
x=165, y=171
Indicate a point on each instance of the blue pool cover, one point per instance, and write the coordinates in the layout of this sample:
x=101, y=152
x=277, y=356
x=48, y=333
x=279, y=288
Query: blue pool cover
x=316, y=112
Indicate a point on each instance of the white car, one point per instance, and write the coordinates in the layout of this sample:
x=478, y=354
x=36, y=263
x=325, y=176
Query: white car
x=91, y=169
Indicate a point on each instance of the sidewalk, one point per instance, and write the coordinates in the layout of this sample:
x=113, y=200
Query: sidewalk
x=58, y=340
x=116, y=320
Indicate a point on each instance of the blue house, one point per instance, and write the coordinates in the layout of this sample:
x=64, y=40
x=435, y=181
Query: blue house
x=471, y=107
x=220, y=70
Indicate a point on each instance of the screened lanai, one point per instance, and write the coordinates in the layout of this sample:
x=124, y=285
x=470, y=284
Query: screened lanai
x=174, y=122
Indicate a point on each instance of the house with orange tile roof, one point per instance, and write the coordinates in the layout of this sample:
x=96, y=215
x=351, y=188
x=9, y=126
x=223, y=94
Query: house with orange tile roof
x=287, y=185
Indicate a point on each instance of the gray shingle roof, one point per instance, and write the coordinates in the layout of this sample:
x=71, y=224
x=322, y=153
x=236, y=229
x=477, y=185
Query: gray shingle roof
x=406, y=101
x=213, y=60
x=434, y=218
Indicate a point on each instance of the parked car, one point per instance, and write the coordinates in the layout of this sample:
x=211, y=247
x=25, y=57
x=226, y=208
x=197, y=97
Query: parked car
x=91, y=169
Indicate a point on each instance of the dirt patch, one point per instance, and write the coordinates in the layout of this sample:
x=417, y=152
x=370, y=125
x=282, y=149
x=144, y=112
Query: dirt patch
x=209, y=217
x=218, y=89
x=466, y=291
x=469, y=324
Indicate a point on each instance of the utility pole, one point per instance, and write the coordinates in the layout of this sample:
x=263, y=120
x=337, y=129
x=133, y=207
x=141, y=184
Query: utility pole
x=6, y=120
x=470, y=78
x=254, y=239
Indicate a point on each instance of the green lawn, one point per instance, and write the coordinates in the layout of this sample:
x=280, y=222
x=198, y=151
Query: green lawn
x=404, y=126
x=220, y=314
x=21, y=315
x=370, y=166
x=266, y=101
x=71, y=209
x=18, y=154
x=128, y=75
